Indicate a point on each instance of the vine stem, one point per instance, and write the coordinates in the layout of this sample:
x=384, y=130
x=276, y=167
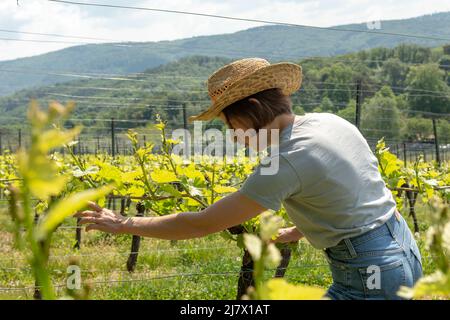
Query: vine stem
x=172, y=165
x=38, y=259
x=80, y=165
x=145, y=177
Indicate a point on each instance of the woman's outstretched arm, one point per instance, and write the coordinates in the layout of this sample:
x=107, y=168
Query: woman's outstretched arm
x=227, y=212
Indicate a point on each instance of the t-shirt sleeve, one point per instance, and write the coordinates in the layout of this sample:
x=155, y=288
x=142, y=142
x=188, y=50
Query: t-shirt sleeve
x=270, y=190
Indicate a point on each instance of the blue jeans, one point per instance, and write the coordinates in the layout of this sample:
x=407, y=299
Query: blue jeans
x=375, y=264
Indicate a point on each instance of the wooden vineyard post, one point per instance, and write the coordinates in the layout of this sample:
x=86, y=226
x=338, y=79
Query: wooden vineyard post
x=97, y=149
x=245, y=275
x=285, y=259
x=136, y=241
x=404, y=154
x=77, y=244
x=125, y=204
x=246, y=279
x=20, y=138
x=412, y=197
x=110, y=199
x=113, y=138
x=122, y=206
x=78, y=230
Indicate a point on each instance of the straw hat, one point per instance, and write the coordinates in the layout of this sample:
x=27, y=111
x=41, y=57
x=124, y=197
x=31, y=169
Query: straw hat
x=245, y=77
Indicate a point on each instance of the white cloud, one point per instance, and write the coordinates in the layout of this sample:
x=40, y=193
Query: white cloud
x=48, y=17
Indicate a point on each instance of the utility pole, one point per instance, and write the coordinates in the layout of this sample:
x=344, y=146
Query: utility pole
x=436, y=142
x=20, y=138
x=358, y=104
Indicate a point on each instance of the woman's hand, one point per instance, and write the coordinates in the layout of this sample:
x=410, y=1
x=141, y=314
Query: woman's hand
x=101, y=219
x=287, y=235
x=232, y=210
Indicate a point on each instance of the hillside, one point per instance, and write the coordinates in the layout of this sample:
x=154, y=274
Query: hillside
x=271, y=42
x=401, y=88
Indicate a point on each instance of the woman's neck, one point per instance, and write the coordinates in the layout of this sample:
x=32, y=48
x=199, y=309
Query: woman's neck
x=283, y=121
x=279, y=123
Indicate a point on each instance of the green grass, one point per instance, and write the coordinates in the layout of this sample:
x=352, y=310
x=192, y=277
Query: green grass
x=191, y=269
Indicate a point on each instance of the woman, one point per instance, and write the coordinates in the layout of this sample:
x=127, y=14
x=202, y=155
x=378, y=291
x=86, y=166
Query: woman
x=327, y=179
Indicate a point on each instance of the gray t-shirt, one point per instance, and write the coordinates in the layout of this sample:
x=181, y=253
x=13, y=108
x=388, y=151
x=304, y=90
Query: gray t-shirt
x=328, y=181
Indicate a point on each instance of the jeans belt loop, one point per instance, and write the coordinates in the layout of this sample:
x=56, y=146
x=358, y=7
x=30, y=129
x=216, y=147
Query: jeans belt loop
x=350, y=248
x=390, y=226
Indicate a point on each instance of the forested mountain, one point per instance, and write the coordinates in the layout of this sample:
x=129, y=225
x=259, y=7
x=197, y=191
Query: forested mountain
x=271, y=42
x=401, y=89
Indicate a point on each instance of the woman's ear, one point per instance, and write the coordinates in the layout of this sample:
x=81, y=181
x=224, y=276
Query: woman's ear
x=254, y=101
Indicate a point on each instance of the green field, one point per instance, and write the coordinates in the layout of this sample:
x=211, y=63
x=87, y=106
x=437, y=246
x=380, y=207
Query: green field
x=204, y=268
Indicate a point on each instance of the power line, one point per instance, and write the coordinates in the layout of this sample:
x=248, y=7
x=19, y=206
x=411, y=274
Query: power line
x=76, y=75
x=62, y=42
x=114, y=75
x=251, y=20
x=126, y=89
x=58, y=35
x=117, y=98
x=87, y=119
x=154, y=79
x=171, y=103
x=417, y=111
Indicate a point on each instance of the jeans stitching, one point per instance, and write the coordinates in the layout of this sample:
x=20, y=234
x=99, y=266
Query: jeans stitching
x=371, y=292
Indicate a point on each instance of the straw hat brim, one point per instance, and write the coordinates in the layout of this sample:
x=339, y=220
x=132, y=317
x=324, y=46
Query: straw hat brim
x=285, y=76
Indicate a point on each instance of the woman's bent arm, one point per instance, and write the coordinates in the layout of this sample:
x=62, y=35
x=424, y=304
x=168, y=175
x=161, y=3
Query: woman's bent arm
x=227, y=212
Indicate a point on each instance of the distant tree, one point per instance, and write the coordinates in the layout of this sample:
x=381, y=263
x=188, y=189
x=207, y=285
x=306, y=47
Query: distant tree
x=394, y=72
x=378, y=55
x=298, y=110
x=402, y=102
x=327, y=105
x=412, y=53
x=417, y=129
x=444, y=65
x=443, y=129
x=380, y=115
x=307, y=96
x=317, y=109
x=337, y=83
x=349, y=112
x=447, y=49
x=427, y=90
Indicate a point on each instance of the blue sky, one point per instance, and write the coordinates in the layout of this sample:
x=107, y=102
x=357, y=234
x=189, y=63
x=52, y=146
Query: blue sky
x=48, y=17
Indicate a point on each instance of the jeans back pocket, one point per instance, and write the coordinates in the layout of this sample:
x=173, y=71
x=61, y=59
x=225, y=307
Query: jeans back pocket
x=383, y=282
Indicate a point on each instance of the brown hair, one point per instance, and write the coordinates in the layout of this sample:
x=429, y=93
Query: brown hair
x=272, y=103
